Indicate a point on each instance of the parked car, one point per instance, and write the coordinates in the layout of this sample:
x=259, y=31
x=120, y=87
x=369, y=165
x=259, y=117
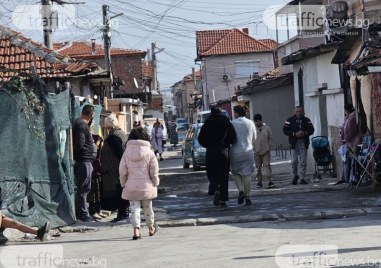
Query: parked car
x=193, y=153
x=181, y=133
x=182, y=122
x=151, y=122
x=202, y=116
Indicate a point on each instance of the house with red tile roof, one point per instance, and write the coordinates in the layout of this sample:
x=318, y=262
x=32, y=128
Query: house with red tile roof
x=127, y=64
x=230, y=58
x=19, y=55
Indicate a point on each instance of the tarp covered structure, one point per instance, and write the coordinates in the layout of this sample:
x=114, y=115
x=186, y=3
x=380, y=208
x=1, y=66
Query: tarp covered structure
x=35, y=167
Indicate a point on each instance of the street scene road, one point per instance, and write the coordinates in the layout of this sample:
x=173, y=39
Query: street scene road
x=194, y=233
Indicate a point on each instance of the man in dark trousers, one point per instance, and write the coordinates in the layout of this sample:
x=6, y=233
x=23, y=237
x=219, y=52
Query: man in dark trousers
x=216, y=135
x=85, y=152
x=298, y=128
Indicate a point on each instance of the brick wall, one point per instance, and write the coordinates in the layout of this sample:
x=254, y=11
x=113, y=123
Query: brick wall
x=126, y=68
x=156, y=103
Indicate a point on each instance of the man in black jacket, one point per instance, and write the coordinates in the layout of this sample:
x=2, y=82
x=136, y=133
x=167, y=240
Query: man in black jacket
x=85, y=152
x=216, y=135
x=298, y=128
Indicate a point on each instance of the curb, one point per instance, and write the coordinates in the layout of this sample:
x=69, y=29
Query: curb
x=309, y=215
x=14, y=235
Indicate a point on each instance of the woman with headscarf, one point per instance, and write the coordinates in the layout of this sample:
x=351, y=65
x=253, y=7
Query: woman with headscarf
x=110, y=155
x=157, y=138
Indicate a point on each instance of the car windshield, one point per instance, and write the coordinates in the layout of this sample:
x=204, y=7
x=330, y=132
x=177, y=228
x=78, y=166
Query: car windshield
x=182, y=121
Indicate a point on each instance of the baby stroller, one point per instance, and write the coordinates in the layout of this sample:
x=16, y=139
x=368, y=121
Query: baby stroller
x=324, y=161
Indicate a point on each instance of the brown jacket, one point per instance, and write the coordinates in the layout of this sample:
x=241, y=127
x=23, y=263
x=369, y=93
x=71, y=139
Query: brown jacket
x=263, y=142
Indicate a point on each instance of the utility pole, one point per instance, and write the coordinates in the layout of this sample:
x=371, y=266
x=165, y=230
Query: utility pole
x=194, y=79
x=153, y=63
x=154, y=66
x=107, y=44
x=46, y=12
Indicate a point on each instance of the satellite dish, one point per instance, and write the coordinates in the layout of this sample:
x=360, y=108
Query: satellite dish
x=136, y=83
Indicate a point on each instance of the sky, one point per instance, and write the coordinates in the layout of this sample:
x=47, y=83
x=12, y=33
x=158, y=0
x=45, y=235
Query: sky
x=171, y=24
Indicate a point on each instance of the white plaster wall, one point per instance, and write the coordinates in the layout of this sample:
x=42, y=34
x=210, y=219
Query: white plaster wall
x=310, y=75
x=217, y=66
x=335, y=109
x=327, y=72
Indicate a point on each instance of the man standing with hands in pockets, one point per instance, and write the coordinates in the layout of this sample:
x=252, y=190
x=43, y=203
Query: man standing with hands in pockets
x=298, y=128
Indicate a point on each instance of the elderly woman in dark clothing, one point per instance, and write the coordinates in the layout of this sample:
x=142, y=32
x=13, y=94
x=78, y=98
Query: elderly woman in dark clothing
x=110, y=156
x=216, y=135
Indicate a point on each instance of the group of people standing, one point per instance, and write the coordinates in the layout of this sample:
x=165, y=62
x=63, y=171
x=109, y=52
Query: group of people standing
x=241, y=145
x=127, y=162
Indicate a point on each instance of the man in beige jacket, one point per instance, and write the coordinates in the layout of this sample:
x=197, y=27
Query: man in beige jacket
x=262, y=147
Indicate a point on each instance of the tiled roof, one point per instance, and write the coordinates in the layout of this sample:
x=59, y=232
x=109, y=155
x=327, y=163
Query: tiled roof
x=189, y=76
x=269, y=42
x=81, y=49
x=233, y=41
x=18, y=54
x=372, y=58
x=269, y=80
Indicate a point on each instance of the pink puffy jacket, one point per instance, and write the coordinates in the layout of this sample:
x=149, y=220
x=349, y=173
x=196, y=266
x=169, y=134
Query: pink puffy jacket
x=139, y=171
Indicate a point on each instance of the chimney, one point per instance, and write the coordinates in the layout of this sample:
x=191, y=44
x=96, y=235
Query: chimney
x=245, y=30
x=93, y=52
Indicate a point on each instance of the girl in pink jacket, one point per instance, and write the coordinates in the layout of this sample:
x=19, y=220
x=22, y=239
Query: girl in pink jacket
x=139, y=177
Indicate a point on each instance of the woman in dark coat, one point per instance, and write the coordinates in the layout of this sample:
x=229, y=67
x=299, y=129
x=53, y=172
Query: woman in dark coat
x=216, y=135
x=110, y=155
x=174, y=137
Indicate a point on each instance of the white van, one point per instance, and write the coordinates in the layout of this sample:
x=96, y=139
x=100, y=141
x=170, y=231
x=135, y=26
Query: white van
x=202, y=116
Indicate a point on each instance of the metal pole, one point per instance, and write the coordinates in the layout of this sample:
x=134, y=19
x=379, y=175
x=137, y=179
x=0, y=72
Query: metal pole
x=47, y=23
x=107, y=45
x=153, y=63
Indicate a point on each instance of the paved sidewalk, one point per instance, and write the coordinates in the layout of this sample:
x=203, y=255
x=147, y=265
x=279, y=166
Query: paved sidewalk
x=320, y=199
x=183, y=199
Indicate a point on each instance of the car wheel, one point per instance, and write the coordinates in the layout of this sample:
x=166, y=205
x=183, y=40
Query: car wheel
x=195, y=166
x=185, y=164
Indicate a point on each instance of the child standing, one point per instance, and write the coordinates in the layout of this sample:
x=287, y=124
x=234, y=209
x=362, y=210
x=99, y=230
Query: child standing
x=139, y=177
